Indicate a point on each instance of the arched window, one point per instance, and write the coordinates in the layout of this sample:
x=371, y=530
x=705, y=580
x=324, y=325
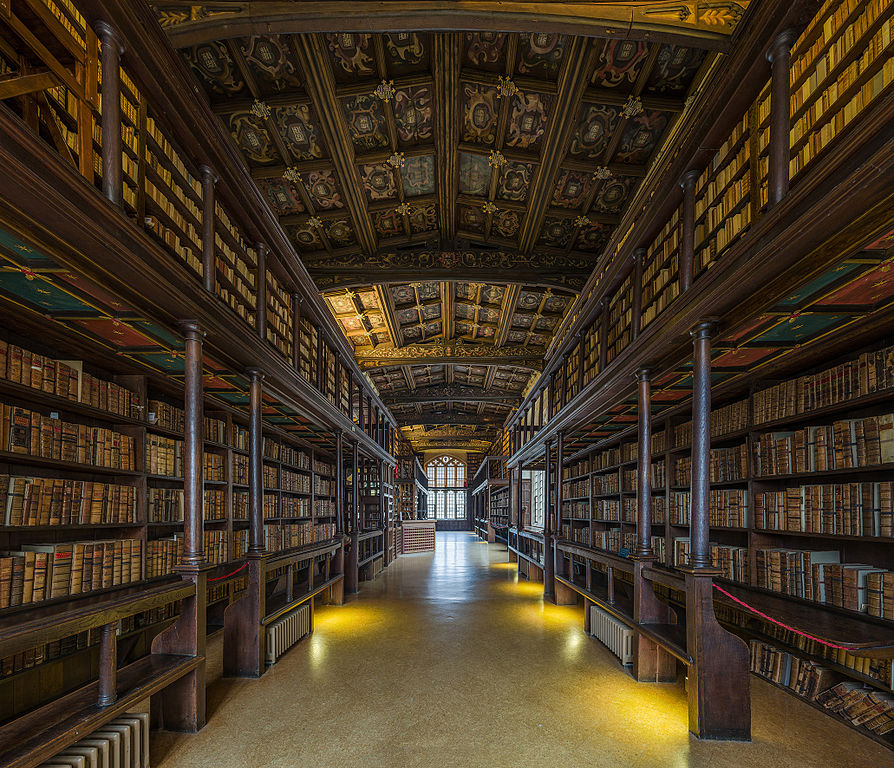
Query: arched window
x=447, y=488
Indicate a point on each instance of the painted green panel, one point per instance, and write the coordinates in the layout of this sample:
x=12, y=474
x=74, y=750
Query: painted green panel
x=155, y=330
x=798, y=328
x=164, y=361
x=814, y=286
x=22, y=253
x=41, y=294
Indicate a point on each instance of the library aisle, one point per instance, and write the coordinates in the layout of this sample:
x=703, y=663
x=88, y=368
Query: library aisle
x=446, y=660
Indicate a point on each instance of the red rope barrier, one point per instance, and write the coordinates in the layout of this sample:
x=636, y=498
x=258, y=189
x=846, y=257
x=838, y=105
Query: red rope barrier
x=778, y=623
x=221, y=578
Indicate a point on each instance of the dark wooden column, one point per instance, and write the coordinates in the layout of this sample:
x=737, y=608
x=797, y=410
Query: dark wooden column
x=111, y=50
x=699, y=552
x=261, y=292
x=193, y=449
x=256, y=465
x=352, y=575
x=687, y=229
x=644, y=466
x=639, y=256
x=338, y=562
x=209, y=267
x=651, y=663
x=580, y=362
x=182, y=705
x=779, y=56
x=549, y=581
x=108, y=665
x=718, y=685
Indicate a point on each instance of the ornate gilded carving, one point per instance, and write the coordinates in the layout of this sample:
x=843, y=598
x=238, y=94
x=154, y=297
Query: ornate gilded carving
x=449, y=352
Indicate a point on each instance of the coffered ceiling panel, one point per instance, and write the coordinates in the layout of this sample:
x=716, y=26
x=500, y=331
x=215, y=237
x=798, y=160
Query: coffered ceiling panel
x=450, y=192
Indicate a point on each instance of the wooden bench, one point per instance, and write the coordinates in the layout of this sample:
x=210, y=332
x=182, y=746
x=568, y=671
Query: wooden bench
x=36, y=736
x=268, y=598
x=718, y=661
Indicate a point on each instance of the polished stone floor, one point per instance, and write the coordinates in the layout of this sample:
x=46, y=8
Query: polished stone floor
x=446, y=660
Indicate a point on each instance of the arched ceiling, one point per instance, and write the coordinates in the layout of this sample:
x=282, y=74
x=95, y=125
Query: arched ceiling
x=449, y=192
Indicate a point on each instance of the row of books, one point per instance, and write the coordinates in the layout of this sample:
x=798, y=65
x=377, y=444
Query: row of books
x=881, y=670
x=220, y=546
x=66, y=378
x=729, y=418
x=285, y=536
x=843, y=509
x=727, y=508
x=166, y=505
x=861, y=705
x=614, y=540
x=39, y=572
x=725, y=464
x=188, y=253
x=845, y=444
x=863, y=80
x=805, y=678
x=31, y=501
x=293, y=481
x=576, y=488
x=31, y=433
x=731, y=560
x=871, y=372
x=820, y=576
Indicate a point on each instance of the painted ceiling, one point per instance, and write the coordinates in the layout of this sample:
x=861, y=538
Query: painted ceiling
x=502, y=162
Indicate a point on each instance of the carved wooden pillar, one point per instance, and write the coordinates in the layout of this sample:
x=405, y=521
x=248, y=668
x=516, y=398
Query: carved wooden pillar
x=549, y=581
x=352, y=574
x=209, y=267
x=182, y=704
x=644, y=467
x=779, y=56
x=261, y=293
x=193, y=449
x=111, y=50
x=687, y=230
x=256, y=465
x=108, y=665
x=639, y=256
x=699, y=551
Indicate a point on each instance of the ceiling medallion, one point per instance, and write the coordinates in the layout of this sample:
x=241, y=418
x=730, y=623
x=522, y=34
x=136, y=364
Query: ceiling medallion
x=632, y=108
x=397, y=160
x=602, y=173
x=385, y=90
x=260, y=109
x=315, y=221
x=506, y=87
x=489, y=208
x=496, y=159
x=292, y=174
x=404, y=209
x=582, y=221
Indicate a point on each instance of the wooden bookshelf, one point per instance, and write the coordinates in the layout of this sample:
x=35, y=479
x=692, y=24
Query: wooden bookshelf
x=236, y=267
x=620, y=317
x=723, y=197
x=661, y=268
x=279, y=316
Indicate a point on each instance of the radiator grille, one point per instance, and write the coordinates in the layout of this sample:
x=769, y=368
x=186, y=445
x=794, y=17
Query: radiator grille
x=615, y=635
x=283, y=633
x=120, y=743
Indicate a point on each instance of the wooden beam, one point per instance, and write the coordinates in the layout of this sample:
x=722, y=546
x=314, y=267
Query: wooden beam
x=637, y=21
x=455, y=393
x=576, y=70
x=24, y=84
x=321, y=87
x=445, y=62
